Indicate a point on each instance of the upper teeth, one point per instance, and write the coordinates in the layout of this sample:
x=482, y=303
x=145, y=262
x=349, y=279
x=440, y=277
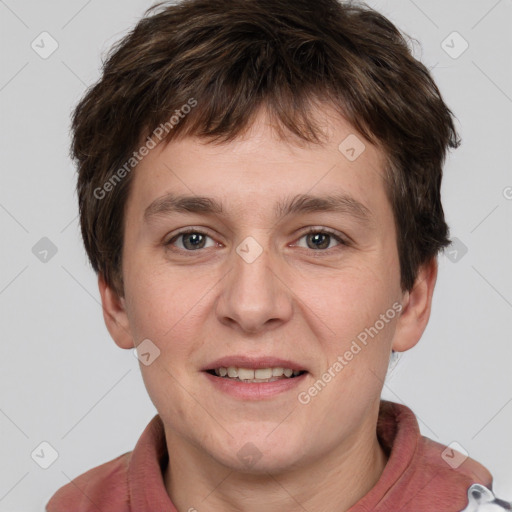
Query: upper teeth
x=260, y=373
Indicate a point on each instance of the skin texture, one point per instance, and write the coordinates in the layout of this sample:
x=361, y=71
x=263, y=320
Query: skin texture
x=294, y=301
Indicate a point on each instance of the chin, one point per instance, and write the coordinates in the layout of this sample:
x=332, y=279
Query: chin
x=261, y=453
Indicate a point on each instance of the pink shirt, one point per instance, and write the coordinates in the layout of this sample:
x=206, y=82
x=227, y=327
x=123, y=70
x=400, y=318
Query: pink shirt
x=415, y=479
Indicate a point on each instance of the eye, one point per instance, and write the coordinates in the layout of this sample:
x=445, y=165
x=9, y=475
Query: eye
x=320, y=239
x=316, y=239
x=192, y=240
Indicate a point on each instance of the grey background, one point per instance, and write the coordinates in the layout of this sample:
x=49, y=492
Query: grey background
x=64, y=381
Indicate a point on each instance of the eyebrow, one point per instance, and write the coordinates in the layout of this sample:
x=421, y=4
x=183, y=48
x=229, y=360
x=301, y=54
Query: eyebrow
x=300, y=204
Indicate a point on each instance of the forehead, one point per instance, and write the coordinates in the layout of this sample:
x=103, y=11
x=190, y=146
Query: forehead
x=260, y=167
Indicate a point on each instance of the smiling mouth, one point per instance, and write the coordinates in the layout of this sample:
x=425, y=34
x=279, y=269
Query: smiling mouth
x=259, y=375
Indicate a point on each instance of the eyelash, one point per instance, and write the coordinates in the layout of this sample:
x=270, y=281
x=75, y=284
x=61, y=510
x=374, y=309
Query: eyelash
x=324, y=231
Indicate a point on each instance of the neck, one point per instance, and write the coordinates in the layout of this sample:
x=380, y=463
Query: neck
x=333, y=482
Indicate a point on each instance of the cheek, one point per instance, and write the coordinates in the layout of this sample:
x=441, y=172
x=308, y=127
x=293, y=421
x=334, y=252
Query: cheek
x=164, y=309
x=351, y=297
x=163, y=299
x=351, y=314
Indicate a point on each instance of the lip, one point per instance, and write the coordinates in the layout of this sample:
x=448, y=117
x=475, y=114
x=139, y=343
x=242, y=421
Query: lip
x=254, y=390
x=244, y=361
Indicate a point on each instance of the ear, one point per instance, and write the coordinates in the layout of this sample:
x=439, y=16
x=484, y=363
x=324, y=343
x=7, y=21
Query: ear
x=416, y=305
x=114, y=314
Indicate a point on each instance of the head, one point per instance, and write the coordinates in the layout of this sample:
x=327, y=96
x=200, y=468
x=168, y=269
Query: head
x=278, y=116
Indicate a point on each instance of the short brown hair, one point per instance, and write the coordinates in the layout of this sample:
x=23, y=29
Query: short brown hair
x=232, y=57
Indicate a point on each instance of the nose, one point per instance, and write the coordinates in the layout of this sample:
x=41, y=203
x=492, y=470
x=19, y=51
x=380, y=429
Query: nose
x=255, y=294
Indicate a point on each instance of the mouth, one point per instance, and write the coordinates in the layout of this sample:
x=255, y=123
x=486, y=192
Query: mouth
x=254, y=379
x=255, y=375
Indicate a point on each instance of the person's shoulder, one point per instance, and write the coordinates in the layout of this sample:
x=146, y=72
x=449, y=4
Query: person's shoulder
x=422, y=473
x=453, y=464
x=447, y=474
x=424, y=461
x=106, y=484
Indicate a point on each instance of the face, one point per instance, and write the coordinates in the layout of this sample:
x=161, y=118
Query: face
x=254, y=278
